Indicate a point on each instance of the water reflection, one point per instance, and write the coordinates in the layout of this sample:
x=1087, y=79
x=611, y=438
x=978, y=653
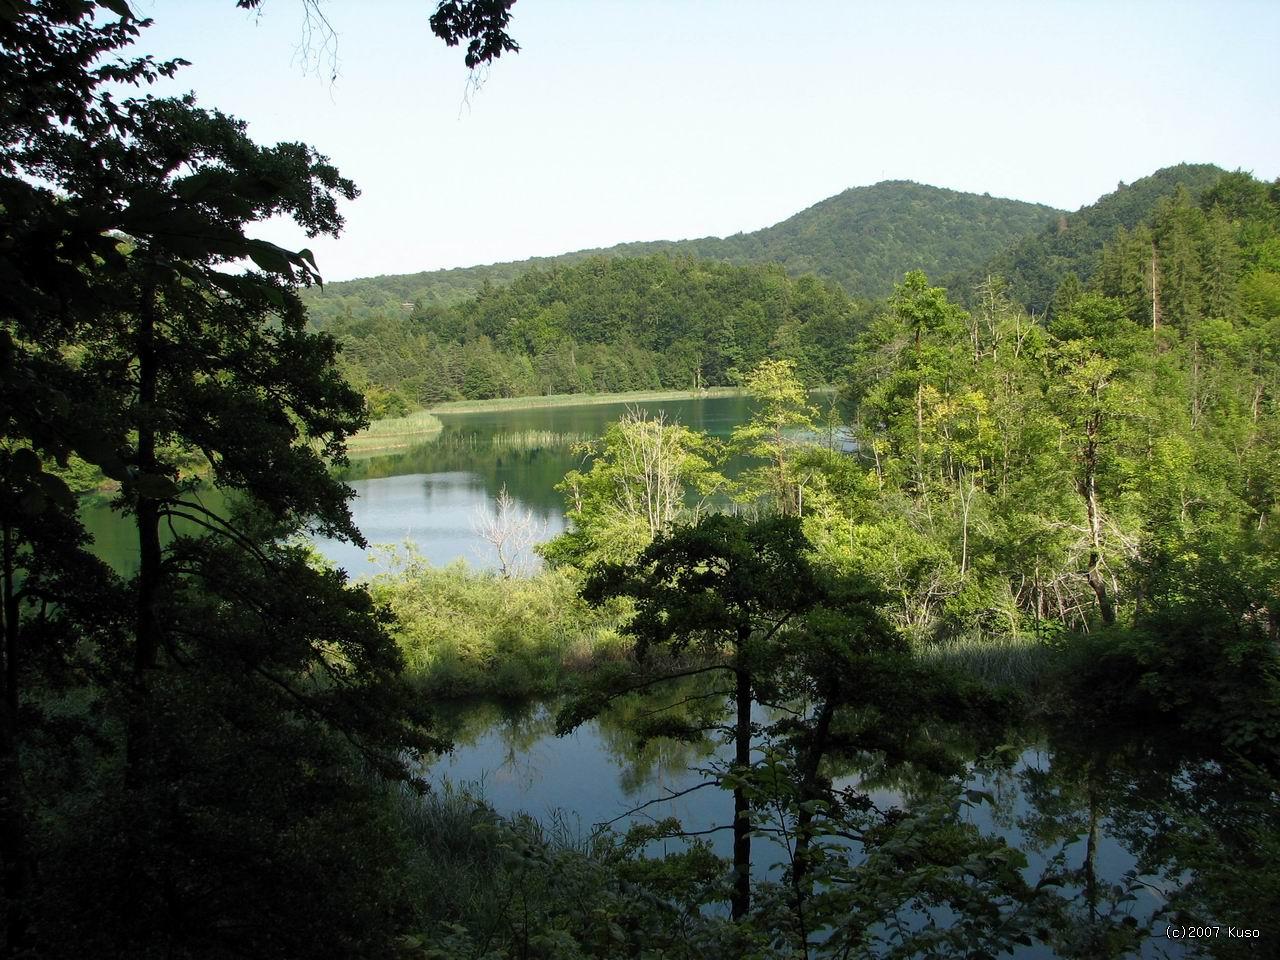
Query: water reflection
x=436, y=513
x=430, y=495
x=1127, y=832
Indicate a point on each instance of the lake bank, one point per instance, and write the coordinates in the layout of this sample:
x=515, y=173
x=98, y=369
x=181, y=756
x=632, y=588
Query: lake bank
x=581, y=399
x=394, y=433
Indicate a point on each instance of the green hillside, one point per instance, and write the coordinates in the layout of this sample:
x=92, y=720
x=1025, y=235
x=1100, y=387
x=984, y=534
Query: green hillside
x=606, y=324
x=864, y=239
x=1035, y=264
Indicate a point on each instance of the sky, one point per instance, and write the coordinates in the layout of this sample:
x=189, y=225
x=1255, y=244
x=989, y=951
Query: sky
x=625, y=120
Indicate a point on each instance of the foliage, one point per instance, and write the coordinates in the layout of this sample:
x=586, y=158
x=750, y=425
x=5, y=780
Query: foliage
x=489, y=886
x=782, y=406
x=469, y=633
x=643, y=471
x=1028, y=477
x=174, y=748
x=602, y=325
x=1035, y=265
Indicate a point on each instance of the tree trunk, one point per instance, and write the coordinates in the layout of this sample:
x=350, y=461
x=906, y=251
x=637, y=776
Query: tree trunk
x=1089, y=490
x=740, y=903
x=785, y=498
x=13, y=833
x=147, y=514
x=809, y=790
x=807, y=794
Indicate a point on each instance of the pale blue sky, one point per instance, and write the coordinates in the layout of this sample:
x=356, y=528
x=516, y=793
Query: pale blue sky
x=664, y=119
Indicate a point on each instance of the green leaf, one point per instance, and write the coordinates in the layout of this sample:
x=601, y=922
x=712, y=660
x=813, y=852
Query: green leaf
x=269, y=257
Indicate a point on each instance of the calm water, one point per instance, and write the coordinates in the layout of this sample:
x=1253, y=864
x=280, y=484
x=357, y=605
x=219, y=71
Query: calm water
x=430, y=495
x=1044, y=798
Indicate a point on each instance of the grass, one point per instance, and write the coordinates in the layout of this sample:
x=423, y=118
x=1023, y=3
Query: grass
x=1021, y=662
x=580, y=399
x=394, y=433
x=467, y=633
x=519, y=440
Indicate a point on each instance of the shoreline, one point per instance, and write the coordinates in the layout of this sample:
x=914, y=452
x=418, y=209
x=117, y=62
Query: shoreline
x=580, y=399
x=590, y=399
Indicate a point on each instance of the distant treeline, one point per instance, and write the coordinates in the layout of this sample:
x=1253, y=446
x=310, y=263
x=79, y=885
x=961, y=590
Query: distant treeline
x=1034, y=264
x=603, y=325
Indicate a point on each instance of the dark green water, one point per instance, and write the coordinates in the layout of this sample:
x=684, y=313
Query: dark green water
x=430, y=495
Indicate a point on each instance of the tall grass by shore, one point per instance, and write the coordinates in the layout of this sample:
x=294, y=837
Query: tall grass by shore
x=467, y=633
x=517, y=440
x=1021, y=662
x=394, y=433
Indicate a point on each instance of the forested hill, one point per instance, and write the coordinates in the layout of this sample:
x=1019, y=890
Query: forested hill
x=864, y=239
x=605, y=324
x=1034, y=265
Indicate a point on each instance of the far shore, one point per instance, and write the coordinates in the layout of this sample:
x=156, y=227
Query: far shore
x=580, y=399
x=587, y=399
x=399, y=433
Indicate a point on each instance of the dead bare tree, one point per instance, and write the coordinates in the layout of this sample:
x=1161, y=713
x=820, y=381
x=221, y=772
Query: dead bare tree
x=510, y=529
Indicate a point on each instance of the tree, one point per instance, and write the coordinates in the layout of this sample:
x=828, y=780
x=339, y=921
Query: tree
x=482, y=23
x=510, y=530
x=725, y=599
x=724, y=595
x=1091, y=359
x=134, y=339
x=642, y=470
x=782, y=405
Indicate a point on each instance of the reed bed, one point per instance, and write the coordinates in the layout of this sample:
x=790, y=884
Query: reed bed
x=1022, y=662
x=395, y=433
x=516, y=440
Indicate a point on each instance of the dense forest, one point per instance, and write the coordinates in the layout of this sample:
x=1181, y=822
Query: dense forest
x=1030, y=531
x=1034, y=265
x=600, y=325
x=863, y=239
x=632, y=323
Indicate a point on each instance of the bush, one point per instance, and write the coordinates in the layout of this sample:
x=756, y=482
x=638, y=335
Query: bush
x=466, y=632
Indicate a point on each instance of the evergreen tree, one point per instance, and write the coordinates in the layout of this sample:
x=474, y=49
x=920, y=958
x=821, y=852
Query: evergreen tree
x=129, y=344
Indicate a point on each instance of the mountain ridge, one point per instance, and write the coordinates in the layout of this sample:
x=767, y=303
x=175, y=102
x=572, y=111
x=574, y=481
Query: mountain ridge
x=863, y=238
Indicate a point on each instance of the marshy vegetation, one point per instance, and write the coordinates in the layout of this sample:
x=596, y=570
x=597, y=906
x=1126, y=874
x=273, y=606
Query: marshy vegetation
x=394, y=433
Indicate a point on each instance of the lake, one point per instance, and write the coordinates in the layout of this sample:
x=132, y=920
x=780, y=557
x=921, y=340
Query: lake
x=430, y=495
x=1092, y=811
